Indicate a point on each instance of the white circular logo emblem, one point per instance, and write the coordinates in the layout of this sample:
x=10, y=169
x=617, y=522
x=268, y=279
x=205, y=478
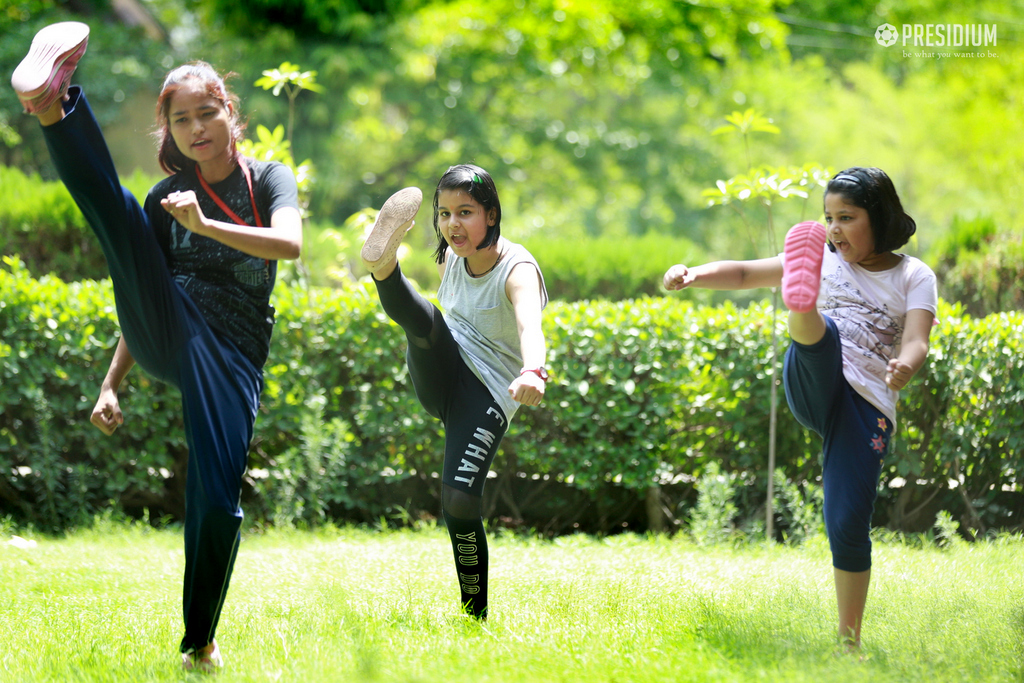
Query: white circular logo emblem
x=886, y=35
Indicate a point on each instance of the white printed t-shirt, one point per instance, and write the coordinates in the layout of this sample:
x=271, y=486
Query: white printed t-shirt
x=870, y=311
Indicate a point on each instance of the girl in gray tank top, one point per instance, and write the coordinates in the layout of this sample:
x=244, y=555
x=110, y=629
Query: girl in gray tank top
x=474, y=365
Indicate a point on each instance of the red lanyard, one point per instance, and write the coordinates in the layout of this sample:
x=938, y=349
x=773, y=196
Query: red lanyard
x=220, y=202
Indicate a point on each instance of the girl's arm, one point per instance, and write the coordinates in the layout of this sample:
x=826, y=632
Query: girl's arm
x=726, y=275
x=523, y=290
x=913, y=351
x=281, y=241
x=106, y=415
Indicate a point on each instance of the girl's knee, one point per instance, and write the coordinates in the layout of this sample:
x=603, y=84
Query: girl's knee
x=852, y=563
x=460, y=504
x=850, y=541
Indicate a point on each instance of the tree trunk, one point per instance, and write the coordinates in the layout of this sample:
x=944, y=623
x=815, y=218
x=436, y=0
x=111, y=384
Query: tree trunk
x=655, y=515
x=769, y=511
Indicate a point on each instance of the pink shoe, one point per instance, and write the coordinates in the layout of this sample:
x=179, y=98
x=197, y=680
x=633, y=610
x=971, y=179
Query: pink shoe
x=386, y=236
x=203, y=661
x=44, y=74
x=801, y=274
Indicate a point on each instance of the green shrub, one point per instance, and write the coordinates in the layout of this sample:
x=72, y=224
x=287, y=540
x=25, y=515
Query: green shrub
x=980, y=266
x=798, y=508
x=40, y=223
x=712, y=520
x=947, y=530
x=987, y=281
x=645, y=392
x=964, y=235
x=961, y=420
x=611, y=268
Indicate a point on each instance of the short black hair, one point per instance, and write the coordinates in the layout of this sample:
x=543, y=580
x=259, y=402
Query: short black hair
x=478, y=184
x=872, y=190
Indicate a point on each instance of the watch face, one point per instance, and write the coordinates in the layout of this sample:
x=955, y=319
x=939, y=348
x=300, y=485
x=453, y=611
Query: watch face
x=541, y=372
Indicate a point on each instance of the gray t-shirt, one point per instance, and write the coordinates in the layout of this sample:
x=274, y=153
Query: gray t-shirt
x=483, y=321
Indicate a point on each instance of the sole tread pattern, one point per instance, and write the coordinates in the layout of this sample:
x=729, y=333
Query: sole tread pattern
x=45, y=73
x=801, y=278
x=385, y=236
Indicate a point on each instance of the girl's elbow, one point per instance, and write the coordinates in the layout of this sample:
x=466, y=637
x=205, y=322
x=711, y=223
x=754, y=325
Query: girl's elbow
x=292, y=251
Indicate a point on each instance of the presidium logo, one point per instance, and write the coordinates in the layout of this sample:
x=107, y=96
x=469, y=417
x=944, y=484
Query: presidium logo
x=886, y=35
x=938, y=35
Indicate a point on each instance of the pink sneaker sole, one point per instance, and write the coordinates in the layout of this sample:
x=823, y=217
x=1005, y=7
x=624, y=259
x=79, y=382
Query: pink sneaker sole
x=385, y=237
x=44, y=74
x=801, y=275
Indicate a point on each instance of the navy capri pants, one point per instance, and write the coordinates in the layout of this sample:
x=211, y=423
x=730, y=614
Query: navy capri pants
x=856, y=439
x=170, y=339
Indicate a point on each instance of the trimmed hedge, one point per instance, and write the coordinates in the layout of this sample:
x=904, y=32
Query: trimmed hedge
x=980, y=266
x=612, y=268
x=42, y=225
x=646, y=393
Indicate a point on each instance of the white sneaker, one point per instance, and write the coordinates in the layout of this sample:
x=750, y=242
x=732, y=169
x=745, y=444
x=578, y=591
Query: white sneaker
x=386, y=236
x=44, y=75
x=204, y=662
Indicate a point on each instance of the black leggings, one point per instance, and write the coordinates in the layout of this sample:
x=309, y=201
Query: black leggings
x=474, y=426
x=474, y=422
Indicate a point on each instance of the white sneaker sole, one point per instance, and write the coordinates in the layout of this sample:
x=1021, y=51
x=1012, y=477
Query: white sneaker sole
x=386, y=236
x=45, y=72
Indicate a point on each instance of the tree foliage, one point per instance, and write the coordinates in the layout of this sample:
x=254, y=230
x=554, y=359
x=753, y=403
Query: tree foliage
x=120, y=62
x=595, y=118
x=585, y=101
x=345, y=19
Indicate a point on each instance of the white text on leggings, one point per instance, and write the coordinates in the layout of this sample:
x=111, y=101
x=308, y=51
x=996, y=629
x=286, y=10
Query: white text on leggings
x=468, y=558
x=475, y=451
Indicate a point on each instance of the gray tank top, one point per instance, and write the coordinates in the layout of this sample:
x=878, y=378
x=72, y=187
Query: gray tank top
x=483, y=321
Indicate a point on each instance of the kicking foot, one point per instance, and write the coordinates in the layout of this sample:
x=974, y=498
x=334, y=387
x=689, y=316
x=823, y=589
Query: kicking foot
x=205, y=660
x=44, y=74
x=393, y=221
x=801, y=274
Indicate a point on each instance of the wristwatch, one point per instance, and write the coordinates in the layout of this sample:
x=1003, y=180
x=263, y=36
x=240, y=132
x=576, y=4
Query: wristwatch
x=541, y=372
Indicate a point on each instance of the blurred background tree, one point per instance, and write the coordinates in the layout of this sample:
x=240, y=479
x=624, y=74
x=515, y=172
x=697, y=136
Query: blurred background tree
x=595, y=118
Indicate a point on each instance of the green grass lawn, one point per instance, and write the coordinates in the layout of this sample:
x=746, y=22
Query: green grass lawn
x=360, y=605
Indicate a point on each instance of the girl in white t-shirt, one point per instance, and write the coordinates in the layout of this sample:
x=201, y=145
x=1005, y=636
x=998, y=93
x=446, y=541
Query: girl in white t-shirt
x=859, y=317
